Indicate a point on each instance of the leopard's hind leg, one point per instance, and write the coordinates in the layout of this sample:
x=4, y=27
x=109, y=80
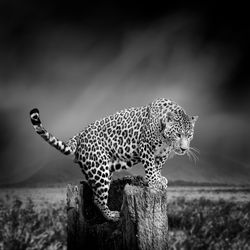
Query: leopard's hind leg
x=101, y=200
x=99, y=178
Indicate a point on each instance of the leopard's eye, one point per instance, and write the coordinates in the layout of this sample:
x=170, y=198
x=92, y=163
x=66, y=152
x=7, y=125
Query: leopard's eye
x=178, y=135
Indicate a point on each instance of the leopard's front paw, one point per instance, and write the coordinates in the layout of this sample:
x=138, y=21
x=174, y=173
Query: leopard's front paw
x=161, y=183
x=164, y=182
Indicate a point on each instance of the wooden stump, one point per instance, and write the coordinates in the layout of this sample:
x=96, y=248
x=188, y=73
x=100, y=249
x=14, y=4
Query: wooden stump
x=143, y=223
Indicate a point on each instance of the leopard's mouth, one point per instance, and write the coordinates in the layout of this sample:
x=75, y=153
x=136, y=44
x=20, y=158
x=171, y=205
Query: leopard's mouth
x=180, y=151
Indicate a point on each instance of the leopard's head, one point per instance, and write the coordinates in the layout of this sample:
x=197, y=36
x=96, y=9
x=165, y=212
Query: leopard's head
x=178, y=128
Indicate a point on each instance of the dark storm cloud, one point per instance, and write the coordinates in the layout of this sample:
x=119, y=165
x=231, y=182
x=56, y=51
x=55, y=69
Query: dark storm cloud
x=78, y=68
x=25, y=24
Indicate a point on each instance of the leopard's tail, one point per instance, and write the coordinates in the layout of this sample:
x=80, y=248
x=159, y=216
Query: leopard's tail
x=68, y=148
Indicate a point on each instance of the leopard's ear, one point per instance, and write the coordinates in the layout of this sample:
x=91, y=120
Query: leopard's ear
x=169, y=117
x=167, y=121
x=194, y=119
x=162, y=125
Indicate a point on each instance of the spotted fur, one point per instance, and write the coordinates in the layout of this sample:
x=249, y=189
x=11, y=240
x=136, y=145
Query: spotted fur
x=148, y=135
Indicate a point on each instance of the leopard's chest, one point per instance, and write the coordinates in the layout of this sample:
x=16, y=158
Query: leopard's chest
x=162, y=152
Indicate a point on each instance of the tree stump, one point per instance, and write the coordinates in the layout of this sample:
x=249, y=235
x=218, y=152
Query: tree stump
x=143, y=224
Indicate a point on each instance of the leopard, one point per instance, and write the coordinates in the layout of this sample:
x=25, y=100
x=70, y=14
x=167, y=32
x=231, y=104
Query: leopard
x=150, y=135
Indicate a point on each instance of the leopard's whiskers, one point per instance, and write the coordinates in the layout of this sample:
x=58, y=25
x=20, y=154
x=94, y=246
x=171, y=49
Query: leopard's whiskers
x=189, y=157
x=195, y=149
x=192, y=154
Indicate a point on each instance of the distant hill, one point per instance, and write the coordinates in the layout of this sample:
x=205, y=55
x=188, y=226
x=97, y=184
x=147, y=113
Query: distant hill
x=211, y=169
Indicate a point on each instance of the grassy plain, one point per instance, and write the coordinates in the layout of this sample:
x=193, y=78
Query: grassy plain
x=199, y=218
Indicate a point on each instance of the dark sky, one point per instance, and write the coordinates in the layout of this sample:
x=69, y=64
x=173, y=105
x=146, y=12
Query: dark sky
x=78, y=63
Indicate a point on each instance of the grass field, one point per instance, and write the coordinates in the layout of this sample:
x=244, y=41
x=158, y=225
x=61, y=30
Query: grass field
x=199, y=218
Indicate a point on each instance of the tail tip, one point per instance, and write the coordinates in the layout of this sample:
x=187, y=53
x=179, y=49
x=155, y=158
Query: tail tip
x=34, y=116
x=34, y=111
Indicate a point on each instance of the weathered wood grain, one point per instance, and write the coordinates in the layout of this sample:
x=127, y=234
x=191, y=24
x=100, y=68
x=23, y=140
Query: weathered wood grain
x=143, y=224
